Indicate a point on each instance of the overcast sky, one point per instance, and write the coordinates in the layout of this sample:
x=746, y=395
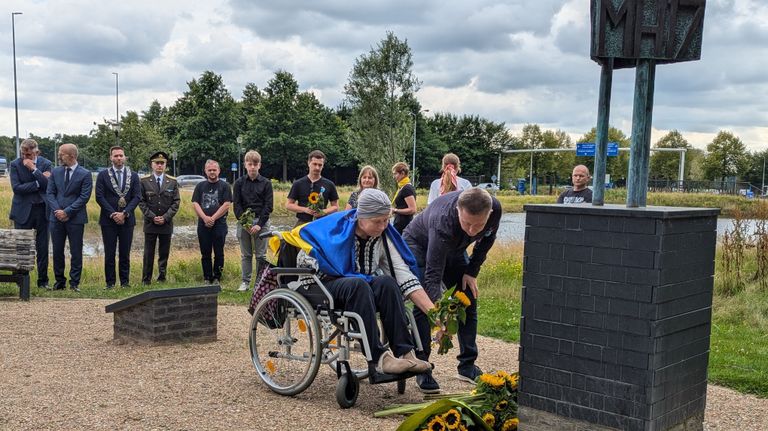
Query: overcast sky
x=514, y=61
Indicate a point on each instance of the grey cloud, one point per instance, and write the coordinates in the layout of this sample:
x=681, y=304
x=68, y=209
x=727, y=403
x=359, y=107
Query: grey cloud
x=220, y=53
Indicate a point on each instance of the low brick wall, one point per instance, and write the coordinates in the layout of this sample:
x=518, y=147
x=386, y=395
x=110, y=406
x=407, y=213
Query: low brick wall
x=170, y=315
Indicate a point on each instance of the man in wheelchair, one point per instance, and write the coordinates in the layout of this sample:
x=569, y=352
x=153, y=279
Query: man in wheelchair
x=367, y=268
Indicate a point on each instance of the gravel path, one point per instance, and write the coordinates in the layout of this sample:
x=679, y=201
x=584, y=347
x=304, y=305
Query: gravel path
x=60, y=369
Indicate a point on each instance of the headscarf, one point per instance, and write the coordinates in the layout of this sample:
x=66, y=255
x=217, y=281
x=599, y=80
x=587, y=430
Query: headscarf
x=373, y=203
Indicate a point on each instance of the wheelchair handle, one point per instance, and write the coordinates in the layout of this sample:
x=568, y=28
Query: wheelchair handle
x=267, y=234
x=293, y=271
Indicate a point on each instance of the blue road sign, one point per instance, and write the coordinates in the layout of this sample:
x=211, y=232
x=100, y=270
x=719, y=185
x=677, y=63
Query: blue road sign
x=588, y=149
x=234, y=167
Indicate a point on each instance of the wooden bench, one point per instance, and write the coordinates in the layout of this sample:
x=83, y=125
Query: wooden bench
x=17, y=258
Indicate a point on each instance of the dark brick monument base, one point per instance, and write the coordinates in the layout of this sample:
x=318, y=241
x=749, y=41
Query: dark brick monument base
x=616, y=317
x=170, y=315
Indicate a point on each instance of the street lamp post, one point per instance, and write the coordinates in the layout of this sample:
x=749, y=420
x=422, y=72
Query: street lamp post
x=117, y=111
x=239, y=156
x=763, y=190
x=15, y=90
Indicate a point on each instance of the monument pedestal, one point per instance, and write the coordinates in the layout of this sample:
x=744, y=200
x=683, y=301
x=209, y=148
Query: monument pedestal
x=616, y=317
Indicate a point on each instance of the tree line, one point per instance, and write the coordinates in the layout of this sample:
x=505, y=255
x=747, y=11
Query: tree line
x=373, y=125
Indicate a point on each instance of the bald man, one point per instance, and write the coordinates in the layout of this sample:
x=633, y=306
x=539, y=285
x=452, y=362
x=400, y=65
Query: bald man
x=69, y=190
x=580, y=193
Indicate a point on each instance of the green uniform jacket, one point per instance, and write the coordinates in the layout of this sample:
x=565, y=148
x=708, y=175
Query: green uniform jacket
x=155, y=202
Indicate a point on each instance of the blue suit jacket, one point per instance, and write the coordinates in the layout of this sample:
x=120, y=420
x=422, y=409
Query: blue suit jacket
x=26, y=185
x=107, y=198
x=73, y=198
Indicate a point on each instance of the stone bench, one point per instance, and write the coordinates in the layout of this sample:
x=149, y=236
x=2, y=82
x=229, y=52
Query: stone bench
x=167, y=316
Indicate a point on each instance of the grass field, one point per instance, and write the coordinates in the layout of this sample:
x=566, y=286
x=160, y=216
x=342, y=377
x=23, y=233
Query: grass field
x=739, y=346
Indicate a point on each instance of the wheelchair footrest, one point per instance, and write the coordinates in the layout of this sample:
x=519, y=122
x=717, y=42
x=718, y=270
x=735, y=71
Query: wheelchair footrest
x=375, y=377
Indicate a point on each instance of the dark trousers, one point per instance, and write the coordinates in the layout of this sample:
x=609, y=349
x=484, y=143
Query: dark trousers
x=455, y=268
x=39, y=222
x=212, y=239
x=60, y=233
x=382, y=295
x=115, y=236
x=164, y=248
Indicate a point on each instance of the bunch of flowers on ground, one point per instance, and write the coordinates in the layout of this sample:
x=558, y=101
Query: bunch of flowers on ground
x=492, y=405
x=445, y=317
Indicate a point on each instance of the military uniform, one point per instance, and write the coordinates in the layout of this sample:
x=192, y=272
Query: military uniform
x=158, y=200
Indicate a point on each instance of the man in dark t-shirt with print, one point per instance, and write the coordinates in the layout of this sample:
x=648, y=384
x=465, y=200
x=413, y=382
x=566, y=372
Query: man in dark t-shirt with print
x=580, y=193
x=212, y=199
x=303, y=191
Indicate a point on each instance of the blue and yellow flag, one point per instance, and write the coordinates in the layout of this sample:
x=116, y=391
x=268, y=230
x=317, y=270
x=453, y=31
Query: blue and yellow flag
x=331, y=241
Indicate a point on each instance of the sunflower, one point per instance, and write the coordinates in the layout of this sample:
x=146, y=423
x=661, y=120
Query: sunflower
x=510, y=424
x=501, y=405
x=512, y=380
x=462, y=297
x=452, y=307
x=489, y=419
x=452, y=419
x=437, y=424
x=492, y=381
x=314, y=198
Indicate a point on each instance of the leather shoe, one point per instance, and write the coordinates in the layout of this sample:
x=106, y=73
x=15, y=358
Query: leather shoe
x=427, y=384
x=390, y=365
x=74, y=288
x=109, y=287
x=421, y=366
x=58, y=286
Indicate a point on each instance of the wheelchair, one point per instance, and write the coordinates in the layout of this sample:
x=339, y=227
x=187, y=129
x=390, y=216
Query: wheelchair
x=296, y=328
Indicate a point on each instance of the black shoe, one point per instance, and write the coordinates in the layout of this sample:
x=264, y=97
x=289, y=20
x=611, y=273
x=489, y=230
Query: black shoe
x=58, y=286
x=125, y=286
x=74, y=288
x=427, y=384
x=216, y=281
x=44, y=286
x=161, y=279
x=146, y=283
x=208, y=282
x=471, y=375
x=109, y=287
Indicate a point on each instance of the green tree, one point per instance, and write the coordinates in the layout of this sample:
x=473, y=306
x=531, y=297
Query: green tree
x=138, y=137
x=726, y=157
x=202, y=124
x=379, y=91
x=666, y=165
x=754, y=171
x=154, y=114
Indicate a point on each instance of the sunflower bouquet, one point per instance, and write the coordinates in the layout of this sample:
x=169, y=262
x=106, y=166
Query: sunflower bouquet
x=491, y=406
x=445, y=317
x=317, y=202
x=247, y=219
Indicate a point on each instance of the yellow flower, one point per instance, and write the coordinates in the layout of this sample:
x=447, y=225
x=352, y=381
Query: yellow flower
x=452, y=307
x=501, y=405
x=490, y=419
x=512, y=380
x=437, y=424
x=314, y=198
x=510, y=424
x=270, y=366
x=463, y=298
x=302, y=326
x=492, y=381
x=452, y=419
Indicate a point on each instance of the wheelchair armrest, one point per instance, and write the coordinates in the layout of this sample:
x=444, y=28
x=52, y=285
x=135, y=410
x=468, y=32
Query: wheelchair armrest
x=293, y=271
x=267, y=234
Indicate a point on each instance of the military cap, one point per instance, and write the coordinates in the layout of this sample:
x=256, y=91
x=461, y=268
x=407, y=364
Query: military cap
x=160, y=156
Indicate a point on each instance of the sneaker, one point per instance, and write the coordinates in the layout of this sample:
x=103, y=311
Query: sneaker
x=421, y=366
x=427, y=384
x=243, y=287
x=471, y=375
x=389, y=364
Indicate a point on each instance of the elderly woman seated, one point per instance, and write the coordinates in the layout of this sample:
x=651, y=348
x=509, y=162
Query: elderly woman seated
x=367, y=267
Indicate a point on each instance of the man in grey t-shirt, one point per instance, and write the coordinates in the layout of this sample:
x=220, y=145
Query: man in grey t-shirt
x=579, y=194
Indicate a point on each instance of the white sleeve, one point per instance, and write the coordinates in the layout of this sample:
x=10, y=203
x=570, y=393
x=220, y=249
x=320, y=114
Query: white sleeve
x=464, y=184
x=434, y=191
x=406, y=281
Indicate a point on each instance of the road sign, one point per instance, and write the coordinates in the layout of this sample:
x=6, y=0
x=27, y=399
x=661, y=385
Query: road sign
x=234, y=167
x=587, y=149
x=493, y=178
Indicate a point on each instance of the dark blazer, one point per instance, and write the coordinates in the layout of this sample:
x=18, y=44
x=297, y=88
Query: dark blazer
x=26, y=185
x=73, y=198
x=156, y=202
x=107, y=198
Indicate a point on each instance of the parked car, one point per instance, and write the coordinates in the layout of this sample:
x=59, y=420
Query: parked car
x=189, y=180
x=491, y=187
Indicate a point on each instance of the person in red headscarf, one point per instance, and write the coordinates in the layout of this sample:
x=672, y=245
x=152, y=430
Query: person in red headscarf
x=450, y=180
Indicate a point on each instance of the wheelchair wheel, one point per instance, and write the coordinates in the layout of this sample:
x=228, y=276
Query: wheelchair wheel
x=347, y=390
x=284, y=341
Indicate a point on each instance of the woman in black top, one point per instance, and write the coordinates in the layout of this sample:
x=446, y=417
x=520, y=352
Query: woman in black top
x=368, y=178
x=405, y=197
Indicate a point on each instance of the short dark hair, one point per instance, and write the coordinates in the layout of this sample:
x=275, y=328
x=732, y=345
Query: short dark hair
x=316, y=154
x=475, y=201
x=116, y=147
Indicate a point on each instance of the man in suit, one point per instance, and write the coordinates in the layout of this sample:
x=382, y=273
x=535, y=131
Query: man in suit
x=159, y=203
x=68, y=193
x=118, y=192
x=29, y=181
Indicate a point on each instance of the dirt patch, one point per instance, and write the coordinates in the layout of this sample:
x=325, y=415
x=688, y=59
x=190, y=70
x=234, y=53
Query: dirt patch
x=60, y=369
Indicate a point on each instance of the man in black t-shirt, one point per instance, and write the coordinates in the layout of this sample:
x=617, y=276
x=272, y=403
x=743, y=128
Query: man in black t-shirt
x=211, y=200
x=307, y=189
x=580, y=193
